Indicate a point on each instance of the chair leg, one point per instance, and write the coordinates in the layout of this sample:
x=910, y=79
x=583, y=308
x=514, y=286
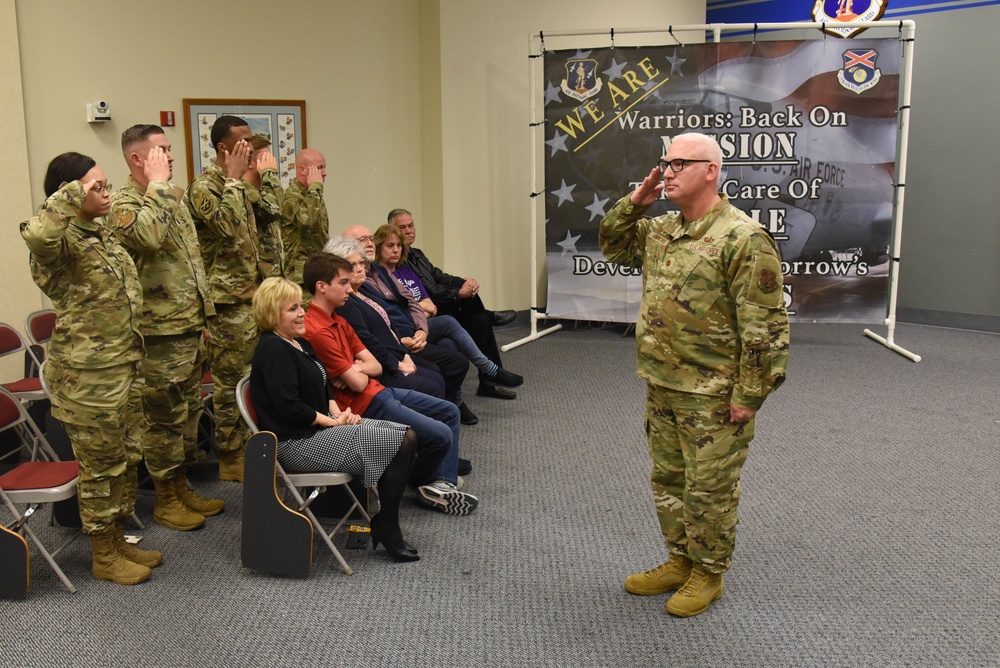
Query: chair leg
x=328, y=541
x=135, y=519
x=48, y=557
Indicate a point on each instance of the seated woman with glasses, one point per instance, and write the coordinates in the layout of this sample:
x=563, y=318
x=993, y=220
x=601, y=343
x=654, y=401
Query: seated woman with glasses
x=390, y=252
x=289, y=390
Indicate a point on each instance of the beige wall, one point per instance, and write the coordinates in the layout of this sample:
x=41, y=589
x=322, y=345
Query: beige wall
x=20, y=296
x=143, y=58
x=486, y=147
x=416, y=103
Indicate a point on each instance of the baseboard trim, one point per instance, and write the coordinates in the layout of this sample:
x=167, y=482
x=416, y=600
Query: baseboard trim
x=971, y=321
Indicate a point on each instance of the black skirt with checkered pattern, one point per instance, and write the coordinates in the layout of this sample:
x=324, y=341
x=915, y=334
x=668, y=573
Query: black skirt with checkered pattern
x=364, y=450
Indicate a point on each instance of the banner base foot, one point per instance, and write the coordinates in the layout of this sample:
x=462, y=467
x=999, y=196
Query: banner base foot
x=533, y=336
x=888, y=343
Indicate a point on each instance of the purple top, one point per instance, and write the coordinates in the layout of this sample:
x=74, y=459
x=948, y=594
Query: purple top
x=411, y=281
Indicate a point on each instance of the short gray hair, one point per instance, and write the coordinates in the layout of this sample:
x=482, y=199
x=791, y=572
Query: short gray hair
x=344, y=247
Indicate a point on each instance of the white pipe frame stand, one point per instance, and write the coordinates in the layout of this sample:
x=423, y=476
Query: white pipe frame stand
x=907, y=31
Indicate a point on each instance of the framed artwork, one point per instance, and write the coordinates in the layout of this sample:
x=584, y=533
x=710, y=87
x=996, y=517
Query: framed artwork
x=281, y=121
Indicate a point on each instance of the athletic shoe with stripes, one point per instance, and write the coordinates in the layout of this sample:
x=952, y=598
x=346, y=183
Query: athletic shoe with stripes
x=445, y=497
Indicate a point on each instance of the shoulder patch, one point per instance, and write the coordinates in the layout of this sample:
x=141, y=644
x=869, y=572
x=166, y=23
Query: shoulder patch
x=765, y=282
x=123, y=217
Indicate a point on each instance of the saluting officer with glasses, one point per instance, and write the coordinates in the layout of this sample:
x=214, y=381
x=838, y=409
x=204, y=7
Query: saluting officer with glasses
x=712, y=340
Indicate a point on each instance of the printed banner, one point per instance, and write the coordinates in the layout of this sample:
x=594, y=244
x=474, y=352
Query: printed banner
x=808, y=133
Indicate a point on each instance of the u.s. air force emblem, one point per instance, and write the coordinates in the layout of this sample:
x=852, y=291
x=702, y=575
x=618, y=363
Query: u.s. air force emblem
x=581, y=82
x=859, y=72
x=839, y=12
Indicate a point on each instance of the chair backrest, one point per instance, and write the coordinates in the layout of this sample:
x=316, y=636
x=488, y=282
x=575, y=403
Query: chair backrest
x=40, y=325
x=245, y=404
x=10, y=340
x=12, y=414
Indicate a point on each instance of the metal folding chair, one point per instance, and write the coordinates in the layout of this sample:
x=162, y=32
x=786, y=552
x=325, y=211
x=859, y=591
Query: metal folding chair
x=39, y=480
x=28, y=388
x=298, y=481
x=39, y=326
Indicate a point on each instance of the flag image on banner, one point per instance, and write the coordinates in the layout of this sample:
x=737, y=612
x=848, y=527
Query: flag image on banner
x=808, y=133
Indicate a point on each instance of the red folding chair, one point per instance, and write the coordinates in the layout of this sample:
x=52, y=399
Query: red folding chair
x=28, y=388
x=42, y=479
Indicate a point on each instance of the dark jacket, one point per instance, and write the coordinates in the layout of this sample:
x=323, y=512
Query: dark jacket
x=373, y=332
x=443, y=288
x=398, y=308
x=287, y=388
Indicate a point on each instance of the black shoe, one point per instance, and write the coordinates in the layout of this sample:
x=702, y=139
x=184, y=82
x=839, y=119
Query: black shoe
x=495, y=391
x=468, y=417
x=501, y=318
x=405, y=553
x=505, y=378
x=464, y=466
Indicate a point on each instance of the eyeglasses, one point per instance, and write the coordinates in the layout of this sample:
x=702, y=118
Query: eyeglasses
x=676, y=165
x=360, y=265
x=364, y=240
x=98, y=188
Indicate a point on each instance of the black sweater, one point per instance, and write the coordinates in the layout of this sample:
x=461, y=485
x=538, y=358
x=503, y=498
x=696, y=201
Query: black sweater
x=287, y=387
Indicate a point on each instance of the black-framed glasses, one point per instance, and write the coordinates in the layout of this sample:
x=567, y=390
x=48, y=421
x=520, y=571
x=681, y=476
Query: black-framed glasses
x=676, y=165
x=99, y=188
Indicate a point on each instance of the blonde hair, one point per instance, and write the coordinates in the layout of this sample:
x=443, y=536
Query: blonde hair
x=269, y=299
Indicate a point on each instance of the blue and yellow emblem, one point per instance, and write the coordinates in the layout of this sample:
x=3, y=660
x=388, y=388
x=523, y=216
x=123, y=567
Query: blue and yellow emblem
x=859, y=72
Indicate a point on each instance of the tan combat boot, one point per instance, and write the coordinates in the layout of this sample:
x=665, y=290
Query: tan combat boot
x=194, y=501
x=668, y=576
x=169, y=511
x=110, y=565
x=697, y=593
x=147, y=558
x=231, y=466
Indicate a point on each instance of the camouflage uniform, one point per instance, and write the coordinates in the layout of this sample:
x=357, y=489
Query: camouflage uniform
x=712, y=329
x=223, y=216
x=94, y=352
x=266, y=204
x=159, y=233
x=305, y=226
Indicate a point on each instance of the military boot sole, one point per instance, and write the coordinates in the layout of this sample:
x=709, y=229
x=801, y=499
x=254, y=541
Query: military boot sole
x=179, y=527
x=126, y=581
x=679, y=611
x=641, y=589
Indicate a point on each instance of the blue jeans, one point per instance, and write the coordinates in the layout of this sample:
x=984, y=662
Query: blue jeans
x=444, y=326
x=436, y=423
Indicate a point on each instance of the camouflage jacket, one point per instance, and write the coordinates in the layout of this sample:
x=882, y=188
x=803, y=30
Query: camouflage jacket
x=227, y=231
x=266, y=204
x=305, y=226
x=712, y=318
x=159, y=234
x=91, y=281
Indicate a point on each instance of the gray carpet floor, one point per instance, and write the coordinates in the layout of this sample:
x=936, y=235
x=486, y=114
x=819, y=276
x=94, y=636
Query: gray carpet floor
x=869, y=536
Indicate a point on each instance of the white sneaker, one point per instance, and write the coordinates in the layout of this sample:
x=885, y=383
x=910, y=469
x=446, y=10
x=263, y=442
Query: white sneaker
x=460, y=485
x=445, y=497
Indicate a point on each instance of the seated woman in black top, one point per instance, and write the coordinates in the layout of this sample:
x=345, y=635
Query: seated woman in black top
x=288, y=386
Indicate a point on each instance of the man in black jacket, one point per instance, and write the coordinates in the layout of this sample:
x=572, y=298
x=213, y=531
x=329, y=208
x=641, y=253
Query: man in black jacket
x=454, y=296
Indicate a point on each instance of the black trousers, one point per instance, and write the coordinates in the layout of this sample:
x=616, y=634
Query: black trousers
x=449, y=363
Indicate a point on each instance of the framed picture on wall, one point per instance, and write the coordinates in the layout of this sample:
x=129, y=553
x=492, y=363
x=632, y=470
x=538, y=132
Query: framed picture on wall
x=281, y=121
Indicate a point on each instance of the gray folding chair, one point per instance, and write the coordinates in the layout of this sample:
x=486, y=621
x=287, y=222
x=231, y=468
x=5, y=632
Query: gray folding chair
x=298, y=481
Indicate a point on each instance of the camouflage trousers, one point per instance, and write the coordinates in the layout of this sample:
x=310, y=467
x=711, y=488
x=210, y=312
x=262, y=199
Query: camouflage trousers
x=697, y=456
x=101, y=410
x=233, y=337
x=171, y=401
